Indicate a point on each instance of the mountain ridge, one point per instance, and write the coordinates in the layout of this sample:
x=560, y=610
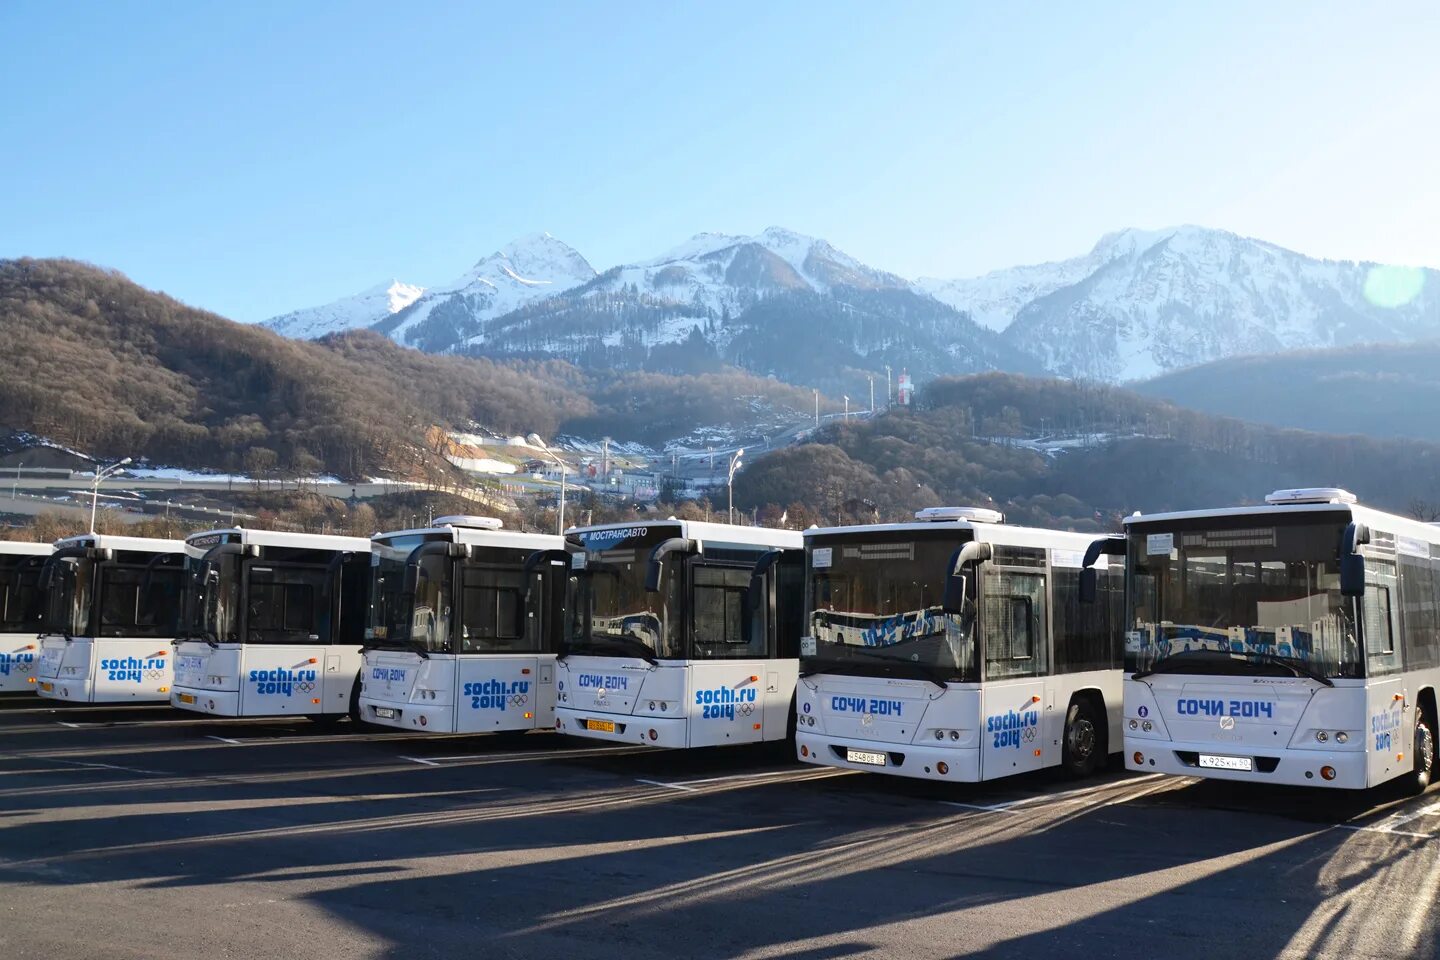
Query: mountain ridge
x=1137, y=304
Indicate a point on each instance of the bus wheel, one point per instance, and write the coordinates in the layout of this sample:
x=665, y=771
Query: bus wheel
x=1419, y=780
x=1082, y=749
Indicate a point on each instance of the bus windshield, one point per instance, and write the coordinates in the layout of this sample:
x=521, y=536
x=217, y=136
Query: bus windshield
x=71, y=580
x=20, y=597
x=141, y=599
x=496, y=613
x=875, y=608
x=614, y=615
x=1250, y=597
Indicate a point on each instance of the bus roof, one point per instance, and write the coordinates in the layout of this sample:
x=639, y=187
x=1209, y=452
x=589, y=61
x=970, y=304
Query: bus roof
x=113, y=542
x=481, y=537
x=281, y=538
x=1000, y=533
x=712, y=532
x=1389, y=522
x=25, y=548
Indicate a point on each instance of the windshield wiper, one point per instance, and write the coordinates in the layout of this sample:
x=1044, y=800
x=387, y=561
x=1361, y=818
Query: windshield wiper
x=1300, y=667
x=608, y=645
x=846, y=666
x=1155, y=667
x=1229, y=658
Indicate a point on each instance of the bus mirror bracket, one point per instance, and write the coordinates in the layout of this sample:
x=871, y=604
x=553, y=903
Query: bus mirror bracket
x=972, y=554
x=1089, y=578
x=655, y=571
x=536, y=560
x=1352, y=564
x=755, y=592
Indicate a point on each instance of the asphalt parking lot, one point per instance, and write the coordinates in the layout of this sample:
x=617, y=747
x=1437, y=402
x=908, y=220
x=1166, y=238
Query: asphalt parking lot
x=142, y=832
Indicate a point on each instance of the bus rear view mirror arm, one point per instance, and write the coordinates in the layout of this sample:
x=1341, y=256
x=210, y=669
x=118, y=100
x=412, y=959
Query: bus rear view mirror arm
x=973, y=553
x=654, y=573
x=1352, y=564
x=1106, y=546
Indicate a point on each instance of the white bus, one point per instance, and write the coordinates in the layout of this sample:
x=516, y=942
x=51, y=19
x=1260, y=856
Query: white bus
x=273, y=624
x=681, y=634
x=1296, y=642
x=112, y=607
x=464, y=618
x=957, y=648
x=21, y=607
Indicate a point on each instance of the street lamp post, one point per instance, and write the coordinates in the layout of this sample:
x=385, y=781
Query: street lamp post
x=15, y=487
x=559, y=463
x=872, y=394
x=100, y=477
x=847, y=409
x=730, y=480
x=817, y=408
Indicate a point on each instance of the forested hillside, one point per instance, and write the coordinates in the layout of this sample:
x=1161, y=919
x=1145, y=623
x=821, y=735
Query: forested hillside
x=1384, y=390
x=98, y=363
x=1073, y=454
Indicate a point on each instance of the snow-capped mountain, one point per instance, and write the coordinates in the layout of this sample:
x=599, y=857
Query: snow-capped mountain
x=994, y=299
x=778, y=303
x=364, y=309
x=1152, y=301
x=528, y=269
x=1139, y=303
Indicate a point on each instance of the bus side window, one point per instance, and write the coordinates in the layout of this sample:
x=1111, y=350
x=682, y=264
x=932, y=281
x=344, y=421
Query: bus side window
x=1013, y=625
x=1379, y=624
x=718, y=601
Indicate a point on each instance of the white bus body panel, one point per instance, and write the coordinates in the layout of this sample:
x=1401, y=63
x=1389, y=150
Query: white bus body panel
x=264, y=680
x=695, y=703
x=468, y=693
x=19, y=662
x=105, y=669
x=1271, y=722
x=986, y=731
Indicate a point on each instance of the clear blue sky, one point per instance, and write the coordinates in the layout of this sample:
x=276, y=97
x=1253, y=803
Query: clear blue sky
x=253, y=158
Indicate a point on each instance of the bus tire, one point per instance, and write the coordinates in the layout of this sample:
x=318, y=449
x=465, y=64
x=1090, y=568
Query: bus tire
x=1419, y=779
x=1083, y=743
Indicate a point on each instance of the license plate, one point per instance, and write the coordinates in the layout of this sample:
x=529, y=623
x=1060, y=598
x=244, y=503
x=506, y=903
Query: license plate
x=387, y=713
x=604, y=726
x=47, y=687
x=186, y=698
x=1226, y=763
x=864, y=756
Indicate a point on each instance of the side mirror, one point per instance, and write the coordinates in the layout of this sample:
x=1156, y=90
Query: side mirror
x=655, y=572
x=1352, y=564
x=1089, y=579
x=1352, y=575
x=956, y=587
x=973, y=553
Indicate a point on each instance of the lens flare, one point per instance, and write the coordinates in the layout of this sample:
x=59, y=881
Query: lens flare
x=1393, y=286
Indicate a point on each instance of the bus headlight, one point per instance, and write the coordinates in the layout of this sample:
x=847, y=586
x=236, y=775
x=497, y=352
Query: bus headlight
x=1134, y=724
x=1321, y=736
x=1342, y=737
x=939, y=734
x=1147, y=726
x=954, y=734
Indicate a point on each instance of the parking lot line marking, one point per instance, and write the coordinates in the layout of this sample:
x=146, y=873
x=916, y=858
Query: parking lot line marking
x=211, y=736
x=672, y=786
x=1392, y=833
x=99, y=766
x=75, y=726
x=1400, y=818
x=428, y=763
x=991, y=808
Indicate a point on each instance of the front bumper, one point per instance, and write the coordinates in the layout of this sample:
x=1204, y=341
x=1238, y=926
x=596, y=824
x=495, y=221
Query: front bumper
x=431, y=718
x=219, y=703
x=901, y=759
x=1298, y=768
x=672, y=732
